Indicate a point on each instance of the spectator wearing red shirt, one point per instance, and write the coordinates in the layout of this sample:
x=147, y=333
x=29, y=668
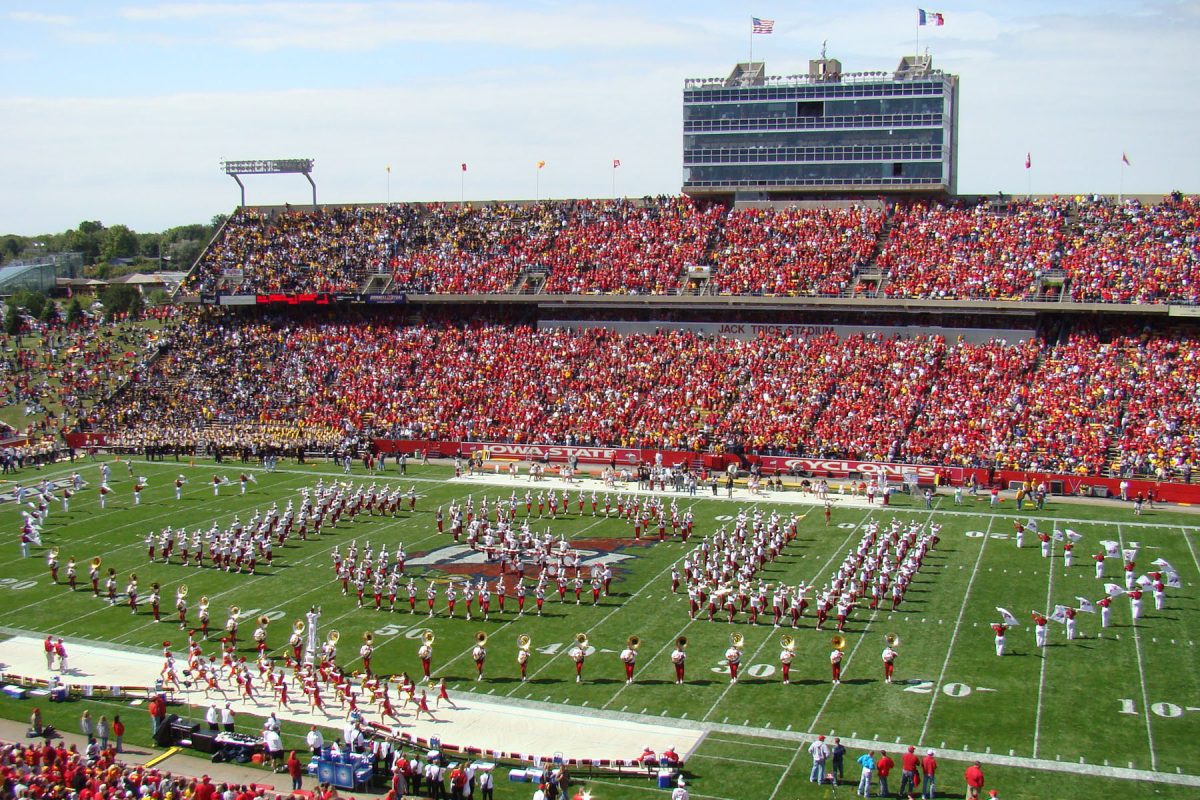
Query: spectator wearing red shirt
x=883, y=768
x=205, y=790
x=974, y=776
x=929, y=766
x=909, y=764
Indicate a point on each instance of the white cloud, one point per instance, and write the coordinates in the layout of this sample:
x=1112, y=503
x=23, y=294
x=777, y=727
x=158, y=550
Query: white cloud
x=37, y=18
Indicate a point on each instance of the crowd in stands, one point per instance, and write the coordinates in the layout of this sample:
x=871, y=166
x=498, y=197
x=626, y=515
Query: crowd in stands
x=1102, y=250
x=1134, y=253
x=1021, y=404
x=794, y=251
x=951, y=252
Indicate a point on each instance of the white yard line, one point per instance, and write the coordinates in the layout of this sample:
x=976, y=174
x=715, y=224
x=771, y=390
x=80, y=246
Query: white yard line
x=648, y=787
x=1137, y=646
x=786, y=772
x=1188, y=541
x=1037, y=720
x=954, y=635
x=838, y=553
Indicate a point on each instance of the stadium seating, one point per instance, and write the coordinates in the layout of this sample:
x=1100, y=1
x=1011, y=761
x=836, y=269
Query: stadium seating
x=1065, y=407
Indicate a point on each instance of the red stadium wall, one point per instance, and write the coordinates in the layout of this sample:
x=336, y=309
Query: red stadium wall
x=819, y=467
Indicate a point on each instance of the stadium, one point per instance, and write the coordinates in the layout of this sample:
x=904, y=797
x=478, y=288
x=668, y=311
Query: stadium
x=641, y=495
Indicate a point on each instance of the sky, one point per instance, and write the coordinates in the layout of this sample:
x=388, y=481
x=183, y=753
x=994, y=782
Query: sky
x=122, y=111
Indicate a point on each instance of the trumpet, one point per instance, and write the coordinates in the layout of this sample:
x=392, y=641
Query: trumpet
x=892, y=639
x=96, y=562
x=524, y=642
x=633, y=642
x=839, y=642
x=181, y=590
x=787, y=642
x=481, y=638
x=427, y=638
x=737, y=640
x=298, y=627
x=581, y=639
x=368, y=638
x=264, y=621
x=681, y=643
x=332, y=638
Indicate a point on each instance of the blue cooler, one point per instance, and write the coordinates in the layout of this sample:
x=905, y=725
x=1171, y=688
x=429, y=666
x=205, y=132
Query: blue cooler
x=517, y=776
x=664, y=779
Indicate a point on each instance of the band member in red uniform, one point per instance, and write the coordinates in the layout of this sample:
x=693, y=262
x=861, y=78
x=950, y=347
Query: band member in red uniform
x=999, y=630
x=835, y=662
x=578, y=653
x=786, y=656
x=629, y=659
x=425, y=653
x=679, y=659
x=733, y=657
x=889, y=663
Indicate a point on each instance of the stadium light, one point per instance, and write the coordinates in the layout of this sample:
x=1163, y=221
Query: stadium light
x=270, y=166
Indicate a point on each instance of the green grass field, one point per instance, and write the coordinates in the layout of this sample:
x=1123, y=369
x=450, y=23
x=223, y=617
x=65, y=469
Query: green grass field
x=1126, y=698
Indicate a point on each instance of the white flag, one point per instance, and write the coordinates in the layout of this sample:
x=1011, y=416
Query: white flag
x=1007, y=617
x=1173, y=580
x=1162, y=562
x=1086, y=605
x=1074, y=536
x=1031, y=525
x=1114, y=590
x=1129, y=554
x=1135, y=546
x=1111, y=549
x=1145, y=581
x=1059, y=615
x=1058, y=536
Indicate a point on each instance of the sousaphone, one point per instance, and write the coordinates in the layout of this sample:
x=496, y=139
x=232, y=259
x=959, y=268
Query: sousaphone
x=892, y=639
x=737, y=641
x=787, y=642
x=524, y=642
x=838, y=642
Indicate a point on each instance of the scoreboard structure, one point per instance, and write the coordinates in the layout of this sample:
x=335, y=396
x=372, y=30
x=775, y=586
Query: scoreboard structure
x=827, y=133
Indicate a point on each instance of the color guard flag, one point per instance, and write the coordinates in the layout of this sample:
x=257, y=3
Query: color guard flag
x=1111, y=549
x=1113, y=590
x=1162, y=562
x=1074, y=536
x=1145, y=581
x=930, y=17
x=1007, y=617
x=765, y=25
x=1173, y=580
x=1129, y=554
x=1086, y=605
x=1059, y=615
x=1031, y=525
x=1058, y=536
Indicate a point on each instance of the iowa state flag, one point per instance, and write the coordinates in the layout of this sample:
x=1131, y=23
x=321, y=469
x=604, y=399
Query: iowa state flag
x=930, y=17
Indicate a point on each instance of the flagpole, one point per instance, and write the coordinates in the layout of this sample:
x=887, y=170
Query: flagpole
x=462, y=184
x=389, y=184
x=751, y=42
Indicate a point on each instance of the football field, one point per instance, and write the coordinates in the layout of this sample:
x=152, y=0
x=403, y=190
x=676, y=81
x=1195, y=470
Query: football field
x=1090, y=715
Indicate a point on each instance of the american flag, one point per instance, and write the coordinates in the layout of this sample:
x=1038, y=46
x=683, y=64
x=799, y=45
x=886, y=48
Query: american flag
x=763, y=25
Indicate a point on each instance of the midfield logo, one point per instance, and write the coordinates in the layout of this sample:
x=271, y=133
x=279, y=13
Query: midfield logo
x=459, y=559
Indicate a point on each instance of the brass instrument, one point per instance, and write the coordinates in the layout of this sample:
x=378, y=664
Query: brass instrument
x=154, y=587
x=892, y=639
x=96, y=562
x=481, y=638
x=298, y=627
x=681, y=643
x=524, y=642
x=737, y=640
x=332, y=638
x=234, y=611
x=264, y=621
x=54, y=552
x=368, y=638
x=581, y=639
x=838, y=642
x=204, y=603
x=787, y=642
x=427, y=638
x=181, y=591
x=133, y=577
x=71, y=562
x=633, y=642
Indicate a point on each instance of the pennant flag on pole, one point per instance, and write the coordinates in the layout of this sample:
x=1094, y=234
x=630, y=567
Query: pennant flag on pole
x=1086, y=605
x=1028, y=160
x=762, y=25
x=616, y=163
x=935, y=18
x=1113, y=590
x=1007, y=617
x=541, y=164
x=389, y=169
x=464, y=167
x=1125, y=159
